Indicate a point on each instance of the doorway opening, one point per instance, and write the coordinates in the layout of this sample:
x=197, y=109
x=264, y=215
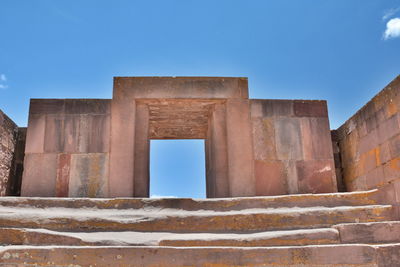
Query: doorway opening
x=177, y=168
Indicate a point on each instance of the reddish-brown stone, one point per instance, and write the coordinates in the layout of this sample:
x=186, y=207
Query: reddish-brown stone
x=217, y=154
x=35, y=134
x=288, y=139
x=46, y=106
x=303, y=108
x=63, y=172
x=240, y=149
x=316, y=176
x=40, y=172
x=87, y=106
x=270, y=178
x=142, y=153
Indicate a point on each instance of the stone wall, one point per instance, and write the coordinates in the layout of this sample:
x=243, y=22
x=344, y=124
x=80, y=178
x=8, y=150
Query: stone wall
x=292, y=147
x=8, y=139
x=369, y=142
x=67, y=148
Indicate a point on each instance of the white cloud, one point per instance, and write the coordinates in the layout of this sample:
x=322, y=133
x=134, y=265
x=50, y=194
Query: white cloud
x=392, y=29
x=389, y=13
x=2, y=86
x=3, y=77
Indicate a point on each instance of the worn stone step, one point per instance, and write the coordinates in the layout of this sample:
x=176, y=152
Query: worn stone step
x=218, y=204
x=22, y=236
x=175, y=220
x=311, y=256
x=373, y=232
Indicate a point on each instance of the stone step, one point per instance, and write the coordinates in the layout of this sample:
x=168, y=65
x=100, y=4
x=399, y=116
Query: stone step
x=369, y=233
x=175, y=220
x=22, y=236
x=218, y=204
x=311, y=256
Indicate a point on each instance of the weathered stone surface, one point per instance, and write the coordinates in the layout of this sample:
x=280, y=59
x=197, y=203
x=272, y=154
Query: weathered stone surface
x=316, y=139
x=54, y=134
x=180, y=87
x=35, y=134
x=8, y=141
x=46, y=106
x=375, y=232
x=271, y=108
x=40, y=237
x=270, y=178
x=142, y=152
x=217, y=154
x=304, y=108
x=175, y=220
x=240, y=148
x=316, y=176
x=40, y=172
x=363, y=198
x=312, y=256
x=122, y=147
x=288, y=139
x=88, y=175
x=264, y=139
x=87, y=106
x=63, y=174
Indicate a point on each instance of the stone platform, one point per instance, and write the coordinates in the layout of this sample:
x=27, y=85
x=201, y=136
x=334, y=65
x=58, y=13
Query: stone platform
x=338, y=229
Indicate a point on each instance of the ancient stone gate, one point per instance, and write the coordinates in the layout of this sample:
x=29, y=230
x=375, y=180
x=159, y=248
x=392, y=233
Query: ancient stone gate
x=100, y=147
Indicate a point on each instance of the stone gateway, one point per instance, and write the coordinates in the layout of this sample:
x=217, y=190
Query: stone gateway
x=254, y=147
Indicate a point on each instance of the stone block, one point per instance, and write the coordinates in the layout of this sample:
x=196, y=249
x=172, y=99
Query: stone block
x=349, y=148
x=54, y=134
x=372, y=122
x=240, y=148
x=94, y=134
x=316, y=138
x=39, y=178
x=394, y=146
x=316, y=176
x=270, y=178
x=35, y=135
x=379, y=232
x=71, y=134
x=63, y=175
x=391, y=169
x=362, y=129
x=303, y=108
x=288, y=139
x=388, y=256
x=217, y=154
x=180, y=87
x=375, y=178
x=46, y=106
x=122, y=147
x=369, y=161
x=370, y=141
x=88, y=175
x=271, y=108
x=142, y=153
x=264, y=138
x=291, y=176
x=384, y=155
x=87, y=106
x=388, y=128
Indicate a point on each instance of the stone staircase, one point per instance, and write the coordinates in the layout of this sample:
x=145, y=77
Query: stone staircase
x=343, y=229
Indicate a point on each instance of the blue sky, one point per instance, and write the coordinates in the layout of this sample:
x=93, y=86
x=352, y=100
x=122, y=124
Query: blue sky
x=343, y=51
